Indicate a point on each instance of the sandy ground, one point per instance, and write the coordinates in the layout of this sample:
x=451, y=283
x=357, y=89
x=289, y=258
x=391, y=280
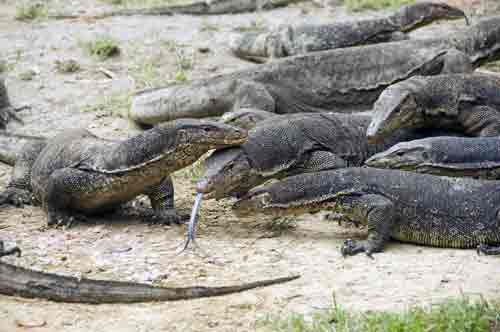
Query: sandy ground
x=125, y=248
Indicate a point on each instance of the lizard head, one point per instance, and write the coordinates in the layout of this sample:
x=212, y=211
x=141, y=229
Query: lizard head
x=209, y=134
x=423, y=13
x=226, y=173
x=246, y=118
x=484, y=40
x=396, y=108
x=258, y=46
x=406, y=156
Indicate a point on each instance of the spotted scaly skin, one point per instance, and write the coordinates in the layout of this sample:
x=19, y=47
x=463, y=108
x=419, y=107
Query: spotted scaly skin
x=289, y=40
x=466, y=103
x=18, y=281
x=447, y=156
x=409, y=207
x=76, y=173
x=344, y=80
x=288, y=145
x=7, y=111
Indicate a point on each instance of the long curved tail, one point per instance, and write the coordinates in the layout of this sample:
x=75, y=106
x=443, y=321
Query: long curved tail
x=18, y=281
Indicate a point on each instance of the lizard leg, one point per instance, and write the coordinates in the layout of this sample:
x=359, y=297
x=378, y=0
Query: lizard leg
x=162, y=202
x=457, y=62
x=250, y=94
x=11, y=251
x=488, y=250
x=62, y=186
x=18, y=191
x=379, y=213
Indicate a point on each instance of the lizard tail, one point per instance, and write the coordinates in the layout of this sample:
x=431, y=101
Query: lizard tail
x=18, y=281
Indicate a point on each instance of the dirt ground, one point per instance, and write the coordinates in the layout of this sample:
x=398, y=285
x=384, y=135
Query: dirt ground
x=124, y=248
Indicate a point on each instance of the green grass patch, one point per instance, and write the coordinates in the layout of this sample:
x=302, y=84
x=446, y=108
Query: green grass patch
x=31, y=12
x=27, y=75
x=114, y=105
x=463, y=315
x=280, y=225
x=148, y=71
x=359, y=5
x=67, y=66
x=102, y=48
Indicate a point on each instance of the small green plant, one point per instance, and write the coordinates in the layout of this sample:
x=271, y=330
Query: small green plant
x=30, y=12
x=280, y=225
x=358, y=5
x=115, y=105
x=102, y=48
x=453, y=315
x=184, y=63
x=67, y=66
x=116, y=2
x=27, y=75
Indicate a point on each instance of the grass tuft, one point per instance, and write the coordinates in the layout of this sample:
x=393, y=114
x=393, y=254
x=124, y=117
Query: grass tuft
x=27, y=75
x=454, y=315
x=31, y=12
x=114, y=105
x=102, y=48
x=359, y=5
x=67, y=66
x=281, y=225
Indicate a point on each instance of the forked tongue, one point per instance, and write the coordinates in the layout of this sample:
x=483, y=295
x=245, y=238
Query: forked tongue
x=467, y=22
x=192, y=225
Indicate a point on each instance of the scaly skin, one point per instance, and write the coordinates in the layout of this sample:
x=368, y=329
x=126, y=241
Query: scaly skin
x=466, y=103
x=18, y=281
x=344, y=80
x=11, y=145
x=76, y=173
x=196, y=8
x=7, y=111
x=449, y=156
x=289, y=145
x=291, y=40
x=409, y=207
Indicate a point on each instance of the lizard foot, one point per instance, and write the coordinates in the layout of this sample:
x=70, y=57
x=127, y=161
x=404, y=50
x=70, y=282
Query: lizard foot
x=487, y=250
x=60, y=219
x=168, y=217
x=351, y=248
x=11, y=251
x=16, y=197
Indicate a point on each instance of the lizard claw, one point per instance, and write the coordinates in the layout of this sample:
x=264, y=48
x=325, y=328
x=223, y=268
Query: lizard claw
x=487, y=250
x=351, y=248
x=63, y=220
